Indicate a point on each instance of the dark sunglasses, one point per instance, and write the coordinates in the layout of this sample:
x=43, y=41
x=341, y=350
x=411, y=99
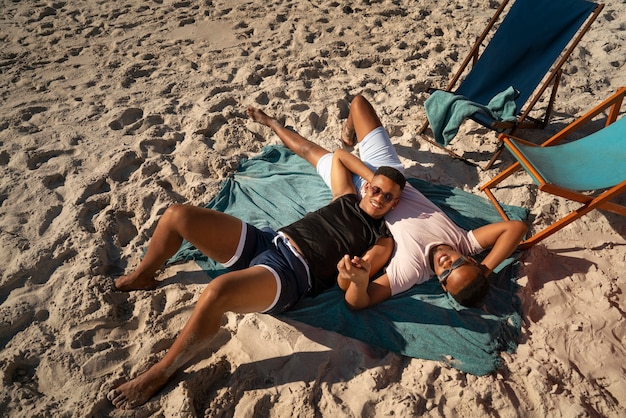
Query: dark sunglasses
x=387, y=197
x=443, y=277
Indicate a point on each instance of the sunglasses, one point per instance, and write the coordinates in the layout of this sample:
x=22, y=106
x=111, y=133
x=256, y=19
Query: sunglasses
x=443, y=277
x=387, y=197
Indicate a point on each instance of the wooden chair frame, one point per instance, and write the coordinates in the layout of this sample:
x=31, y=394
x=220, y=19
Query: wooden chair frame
x=589, y=202
x=524, y=120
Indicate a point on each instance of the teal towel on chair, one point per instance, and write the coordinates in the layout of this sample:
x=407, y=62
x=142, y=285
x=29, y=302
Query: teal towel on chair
x=278, y=187
x=446, y=111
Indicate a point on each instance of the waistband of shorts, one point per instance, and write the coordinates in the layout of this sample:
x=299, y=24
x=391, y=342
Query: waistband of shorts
x=282, y=238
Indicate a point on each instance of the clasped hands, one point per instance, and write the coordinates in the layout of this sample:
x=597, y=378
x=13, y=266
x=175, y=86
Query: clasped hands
x=354, y=269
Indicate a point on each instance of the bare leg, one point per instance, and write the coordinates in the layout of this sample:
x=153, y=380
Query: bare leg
x=362, y=119
x=244, y=291
x=214, y=233
x=306, y=149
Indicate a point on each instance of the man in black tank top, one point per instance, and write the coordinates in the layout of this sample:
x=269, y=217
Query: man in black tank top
x=270, y=270
x=463, y=277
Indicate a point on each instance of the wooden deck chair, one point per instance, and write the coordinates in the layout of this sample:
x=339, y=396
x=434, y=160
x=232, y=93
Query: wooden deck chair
x=594, y=164
x=526, y=52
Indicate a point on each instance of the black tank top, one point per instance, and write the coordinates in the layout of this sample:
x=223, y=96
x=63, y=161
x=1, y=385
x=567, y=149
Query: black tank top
x=326, y=235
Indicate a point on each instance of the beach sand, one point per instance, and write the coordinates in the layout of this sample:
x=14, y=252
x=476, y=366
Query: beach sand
x=112, y=111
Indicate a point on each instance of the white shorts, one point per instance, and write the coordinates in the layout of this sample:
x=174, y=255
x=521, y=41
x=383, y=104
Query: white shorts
x=375, y=150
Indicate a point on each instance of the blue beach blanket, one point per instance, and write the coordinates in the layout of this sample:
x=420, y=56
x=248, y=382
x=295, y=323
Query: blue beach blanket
x=277, y=188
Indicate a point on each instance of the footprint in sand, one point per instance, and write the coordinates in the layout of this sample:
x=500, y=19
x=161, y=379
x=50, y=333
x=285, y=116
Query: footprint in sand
x=51, y=213
x=14, y=319
x=102, y=334
x=318, y=122
x=101, y=339
x=5, y=157
x=117, y=226
x=38, y=158
x=29, y=112
x=133, y=121
x=128, y=117
x=21, y=371
x=134, y=72
x=202, y=383
x=105, y=361
x=127, y=163
x=53, y=181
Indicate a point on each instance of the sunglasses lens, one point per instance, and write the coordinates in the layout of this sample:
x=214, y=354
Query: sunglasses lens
x=457, y=263
x=387, y=197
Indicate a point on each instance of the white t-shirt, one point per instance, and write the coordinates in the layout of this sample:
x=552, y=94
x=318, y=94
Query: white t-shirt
x=417, y=225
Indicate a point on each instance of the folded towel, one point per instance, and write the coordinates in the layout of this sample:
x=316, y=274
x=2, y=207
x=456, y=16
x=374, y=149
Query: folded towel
x=277, y=188
x=446, y=111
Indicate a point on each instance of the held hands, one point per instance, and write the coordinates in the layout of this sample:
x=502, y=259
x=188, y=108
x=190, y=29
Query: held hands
x=355, y=270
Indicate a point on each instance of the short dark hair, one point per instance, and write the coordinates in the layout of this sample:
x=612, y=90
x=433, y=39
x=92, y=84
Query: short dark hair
x=392, y=174
x=473, y=293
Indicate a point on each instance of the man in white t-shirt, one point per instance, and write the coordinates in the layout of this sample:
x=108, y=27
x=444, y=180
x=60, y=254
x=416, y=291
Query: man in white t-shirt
x=427, y=241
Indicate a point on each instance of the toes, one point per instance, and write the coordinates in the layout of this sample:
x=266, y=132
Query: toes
x=118, y=399
x=113, y=393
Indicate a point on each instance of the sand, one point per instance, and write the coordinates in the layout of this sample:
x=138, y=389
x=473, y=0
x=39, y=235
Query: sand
x=112, y=111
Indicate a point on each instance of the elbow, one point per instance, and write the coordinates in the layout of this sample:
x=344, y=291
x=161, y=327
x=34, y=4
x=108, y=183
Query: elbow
x=355, y=306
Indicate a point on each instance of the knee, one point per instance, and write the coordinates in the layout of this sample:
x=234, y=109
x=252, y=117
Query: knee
x=174, y=211
x=361, y=106
x=212, y=298
x=176, y=215
x=210, y=294
x=359, y=101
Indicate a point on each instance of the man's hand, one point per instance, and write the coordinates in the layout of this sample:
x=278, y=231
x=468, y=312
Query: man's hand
x=354, y=275
x=355, y=270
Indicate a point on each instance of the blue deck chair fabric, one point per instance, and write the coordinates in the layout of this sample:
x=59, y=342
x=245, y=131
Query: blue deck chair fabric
x=594, y=162
x=528, y=42
x=525, y=54
x=278, y=187
x=588, y=171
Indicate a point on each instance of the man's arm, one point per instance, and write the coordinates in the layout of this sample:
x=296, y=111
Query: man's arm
x=503, y=238
x=340, y=179
x=354, y=276
x=353, y=164
x=344, y=165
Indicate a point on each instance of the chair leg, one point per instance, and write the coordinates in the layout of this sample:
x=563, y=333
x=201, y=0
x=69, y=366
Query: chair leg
x=504, y=174
x=496, y=204
x=423, y=128
x=495, y=156
x=555, y=86
x=557, y=226
x=599, y=202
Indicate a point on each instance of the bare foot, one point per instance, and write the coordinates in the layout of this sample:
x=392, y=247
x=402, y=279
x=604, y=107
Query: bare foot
x=138, y=391
x=348, y=135
x=261, y=117
x=131, y=282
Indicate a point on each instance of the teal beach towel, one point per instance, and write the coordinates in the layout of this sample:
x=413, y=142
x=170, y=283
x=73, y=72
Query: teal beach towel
x=446, y=111
x=277, y=188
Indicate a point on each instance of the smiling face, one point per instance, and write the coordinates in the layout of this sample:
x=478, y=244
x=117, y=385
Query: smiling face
x=381, y=195
x=454, y=270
